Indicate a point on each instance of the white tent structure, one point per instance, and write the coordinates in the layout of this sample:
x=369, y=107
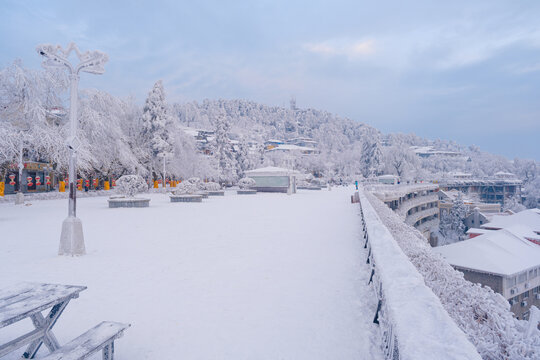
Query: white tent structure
x=274, y=179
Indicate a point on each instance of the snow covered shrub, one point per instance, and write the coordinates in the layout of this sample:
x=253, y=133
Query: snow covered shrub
x=187, y=187
x=246, y=183
x=317, y=182
x=211, y=186
x=194, y=180
x=130, y=185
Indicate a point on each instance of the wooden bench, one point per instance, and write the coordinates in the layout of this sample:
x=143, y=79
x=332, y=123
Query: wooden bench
x=100, y=337
x=28, y=300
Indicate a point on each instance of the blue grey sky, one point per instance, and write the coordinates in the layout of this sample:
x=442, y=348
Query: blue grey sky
x=462, y=70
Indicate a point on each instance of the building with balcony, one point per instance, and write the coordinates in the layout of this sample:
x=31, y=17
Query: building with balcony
x=497, y=189
x=417, y=204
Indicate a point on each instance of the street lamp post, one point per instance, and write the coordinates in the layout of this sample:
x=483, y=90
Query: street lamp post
x=19, y=198
x=72, y=238
x=164, y=163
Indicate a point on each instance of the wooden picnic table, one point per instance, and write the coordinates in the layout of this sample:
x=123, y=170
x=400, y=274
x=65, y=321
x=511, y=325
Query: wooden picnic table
x=28, y=300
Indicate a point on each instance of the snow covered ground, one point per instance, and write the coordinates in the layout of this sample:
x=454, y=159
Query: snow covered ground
x=268, y=276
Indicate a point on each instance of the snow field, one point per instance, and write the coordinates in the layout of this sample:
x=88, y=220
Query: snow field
x=269, y=276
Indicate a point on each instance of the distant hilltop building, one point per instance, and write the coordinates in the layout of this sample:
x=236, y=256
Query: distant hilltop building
x=428, y=151
x=293, y=103
x=203, y=138
x=302, y=145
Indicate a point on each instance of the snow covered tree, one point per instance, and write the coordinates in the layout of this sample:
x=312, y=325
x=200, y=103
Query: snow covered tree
x=399, y=159
x=243, y=158
x=105, y=148
x=532, y=193
x=513, y=204
x=451, y=224
x=26, y=100
x=156, y=126
x=372, y=157
x=223, y=150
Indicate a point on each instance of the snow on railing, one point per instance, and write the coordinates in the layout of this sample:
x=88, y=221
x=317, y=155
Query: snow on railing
x=412, y=320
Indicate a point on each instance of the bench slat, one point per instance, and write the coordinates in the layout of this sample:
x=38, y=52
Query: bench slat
x=90, y=342
x=21, y=341
x=23, y=300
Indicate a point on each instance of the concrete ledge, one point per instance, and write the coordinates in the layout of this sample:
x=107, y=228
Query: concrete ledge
x=128, y=202
x=309, y=188
x=204, y=194
x=216, y=193
x=246, y=192
x=186, y=198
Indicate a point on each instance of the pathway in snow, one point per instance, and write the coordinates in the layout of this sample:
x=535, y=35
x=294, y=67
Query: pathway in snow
x=268, y=276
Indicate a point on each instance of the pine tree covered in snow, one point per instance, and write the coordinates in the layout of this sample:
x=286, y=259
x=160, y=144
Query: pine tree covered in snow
x=451, y=224
x=372, y=157
x=156, y=126
x=223, y=149
x=243, y=158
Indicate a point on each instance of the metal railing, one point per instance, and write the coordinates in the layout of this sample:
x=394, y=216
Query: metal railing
x=409, y=314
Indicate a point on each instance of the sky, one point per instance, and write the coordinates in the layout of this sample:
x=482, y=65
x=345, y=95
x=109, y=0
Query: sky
x=467, y=71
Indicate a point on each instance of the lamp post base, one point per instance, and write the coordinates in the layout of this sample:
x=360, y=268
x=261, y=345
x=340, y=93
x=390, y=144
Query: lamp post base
x=72, y=238
x=19, y=198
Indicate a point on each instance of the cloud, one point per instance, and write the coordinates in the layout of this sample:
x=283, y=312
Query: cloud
x=351, y=49
x=525, y=69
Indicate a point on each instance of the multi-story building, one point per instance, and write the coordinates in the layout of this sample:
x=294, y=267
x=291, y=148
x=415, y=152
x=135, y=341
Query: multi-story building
x=417, y=204
x=503, y=260
x=494, y=190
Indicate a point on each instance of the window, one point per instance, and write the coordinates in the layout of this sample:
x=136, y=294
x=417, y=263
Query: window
x=510, y=281
x=525, y=315
x=525, y=295
x=536, y=290
x=522, y=277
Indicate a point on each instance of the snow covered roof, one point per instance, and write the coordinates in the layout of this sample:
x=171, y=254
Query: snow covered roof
x=502, y=174
x=529, y=218
x=501, y=252
x=458, y=174
x=271, y=171
x=292, y=148
x=429, y=150
x=481, y=182
x=394, y=192
x=478, y=231
x=453, y=194
x=190, y=131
